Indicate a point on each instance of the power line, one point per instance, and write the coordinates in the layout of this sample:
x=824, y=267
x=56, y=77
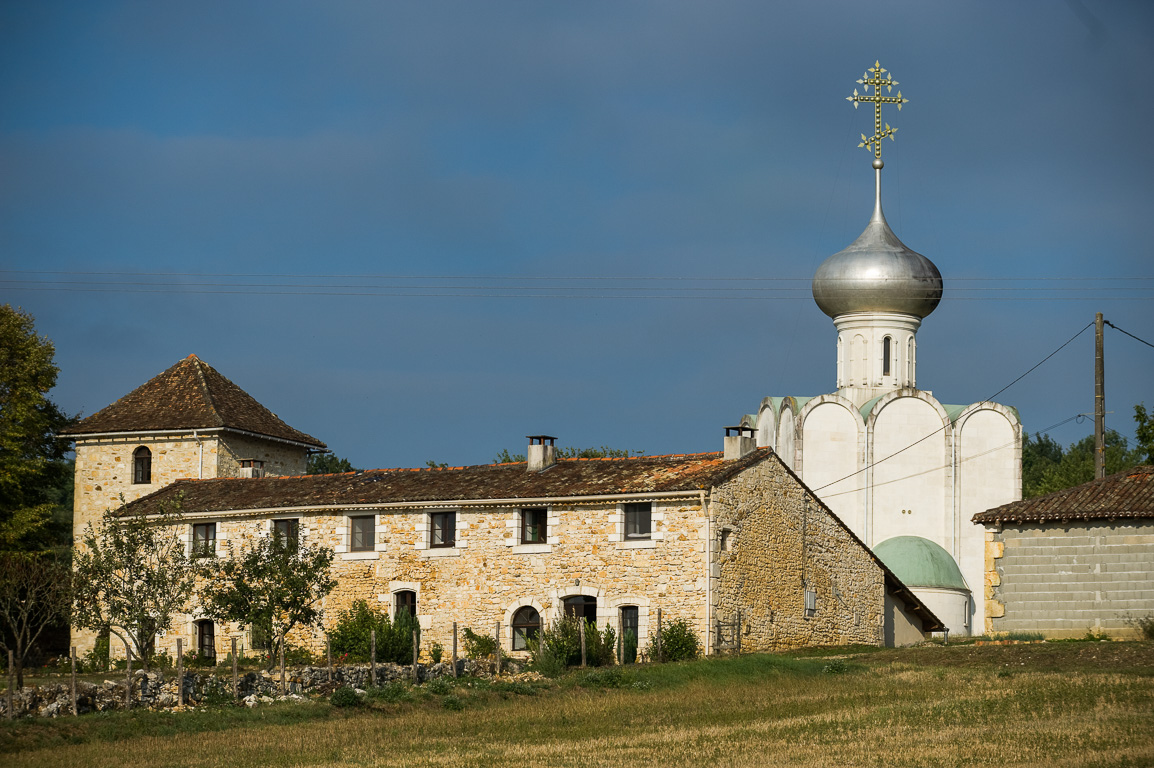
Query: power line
x=1116, y=328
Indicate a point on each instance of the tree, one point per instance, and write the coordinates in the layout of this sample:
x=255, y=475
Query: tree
x=571, y=452
x=1145, y=434
x=132, y=576
x=273, y=586
x=34, y=476
x=1073, y=466
x=328, y=464
x=35, y=593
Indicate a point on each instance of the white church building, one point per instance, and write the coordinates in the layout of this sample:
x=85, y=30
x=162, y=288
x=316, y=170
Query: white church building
x=903, y=470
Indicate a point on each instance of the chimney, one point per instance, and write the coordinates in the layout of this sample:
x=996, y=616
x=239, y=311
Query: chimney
x=739, y=444
x=542, y=452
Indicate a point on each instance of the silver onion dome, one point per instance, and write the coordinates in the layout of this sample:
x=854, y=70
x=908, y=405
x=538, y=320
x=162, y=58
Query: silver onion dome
x=877, y=273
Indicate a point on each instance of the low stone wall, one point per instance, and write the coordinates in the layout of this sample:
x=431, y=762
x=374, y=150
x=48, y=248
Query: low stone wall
x=158, y=690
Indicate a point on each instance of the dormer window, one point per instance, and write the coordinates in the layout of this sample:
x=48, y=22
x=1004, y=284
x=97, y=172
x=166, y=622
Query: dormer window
x=251, y=468
x=142, y=466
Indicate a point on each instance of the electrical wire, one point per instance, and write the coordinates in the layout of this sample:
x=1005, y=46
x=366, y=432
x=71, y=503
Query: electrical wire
x=1116, y=328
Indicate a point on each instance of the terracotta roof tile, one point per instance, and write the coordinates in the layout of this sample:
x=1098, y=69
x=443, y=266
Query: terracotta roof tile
x=487, y=481
x=1128, y=494
x=189, y=395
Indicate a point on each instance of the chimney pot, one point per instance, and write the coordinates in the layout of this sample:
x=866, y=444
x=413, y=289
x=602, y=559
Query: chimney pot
x=739, y=441
x=542, y=452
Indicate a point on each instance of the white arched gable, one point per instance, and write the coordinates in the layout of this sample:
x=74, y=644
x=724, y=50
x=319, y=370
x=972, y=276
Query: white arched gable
x=988, y=440
x=787, y=434
x=767, y=425
x=830, y=453
x=909, y=449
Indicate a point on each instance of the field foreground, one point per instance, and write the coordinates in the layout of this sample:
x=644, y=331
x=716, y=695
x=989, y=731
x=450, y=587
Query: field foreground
x=1052, y=704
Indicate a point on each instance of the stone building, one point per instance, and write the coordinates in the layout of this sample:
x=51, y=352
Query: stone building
x=187, y=422
x=1074, y=561
x=702, y=537
x=890, y=459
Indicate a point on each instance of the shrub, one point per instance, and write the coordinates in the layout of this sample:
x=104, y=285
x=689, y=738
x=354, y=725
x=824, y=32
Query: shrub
x=835, y=667
x=1144, y=625
x=394, y=693
x=678, y=642
x=479, y=646
x=352, y=634
x=439, y=687
x=562, y=646
x=345, y=697
x=453, y=703
x=436, y=652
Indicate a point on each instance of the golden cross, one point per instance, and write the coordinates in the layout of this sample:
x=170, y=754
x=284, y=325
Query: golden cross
x=877, y=81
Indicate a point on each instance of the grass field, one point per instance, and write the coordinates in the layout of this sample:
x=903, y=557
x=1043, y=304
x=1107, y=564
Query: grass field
x=1051, y=704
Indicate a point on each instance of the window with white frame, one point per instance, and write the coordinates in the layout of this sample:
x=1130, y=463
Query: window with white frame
x=443, y=529
x=362, y=533
x=286, y=532
x=141, y=466
x=638, y=521
x=534, y=525
x=204, y=540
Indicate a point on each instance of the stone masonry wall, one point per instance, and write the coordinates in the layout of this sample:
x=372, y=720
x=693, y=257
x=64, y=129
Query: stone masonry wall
x=280, y=459
x=1065, y=580
x=777, y=539
x=489, y=574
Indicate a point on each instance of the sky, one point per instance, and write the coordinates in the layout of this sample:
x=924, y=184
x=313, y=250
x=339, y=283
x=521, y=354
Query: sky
x=423, y=231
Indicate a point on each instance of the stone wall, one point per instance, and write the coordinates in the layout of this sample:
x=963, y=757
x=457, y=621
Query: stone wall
x=775, y=540
x=488, y=575
x=280, y=458
x=1067, y=579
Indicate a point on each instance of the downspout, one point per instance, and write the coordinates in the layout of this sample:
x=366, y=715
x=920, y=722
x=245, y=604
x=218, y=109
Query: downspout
x=708, y=571
x=199, y=455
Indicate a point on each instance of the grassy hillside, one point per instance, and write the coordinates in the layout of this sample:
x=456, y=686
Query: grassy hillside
x=1052, y=704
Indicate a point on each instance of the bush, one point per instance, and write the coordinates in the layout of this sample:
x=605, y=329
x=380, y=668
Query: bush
x=479, y=646
x=345, y=697
x=678, y=642
x=352, y=634
x=439, y=687
x=562, y=646
x=394, y=693
x=1143, y=625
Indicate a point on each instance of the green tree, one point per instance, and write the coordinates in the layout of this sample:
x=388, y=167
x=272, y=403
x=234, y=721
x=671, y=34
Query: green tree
x=1040, y=454
x=351, y=636
x=328, y=464
x=272, y=586
x=1144, y=451
x=35, y=593
x=571, y=452
x=1076, y=465
x=35, y=478
x=132, y=577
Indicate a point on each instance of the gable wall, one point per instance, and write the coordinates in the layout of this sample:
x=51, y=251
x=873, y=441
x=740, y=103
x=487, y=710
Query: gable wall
x=782, y=539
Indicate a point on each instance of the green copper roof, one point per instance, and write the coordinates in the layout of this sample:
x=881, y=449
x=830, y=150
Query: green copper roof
x=920, y=562
x=869, y=406
x=954, y=411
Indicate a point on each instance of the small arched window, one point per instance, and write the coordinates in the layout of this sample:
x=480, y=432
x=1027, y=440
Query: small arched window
x=406, y=603
x=526, y=625
x=206, y=639
x=581, y=607
x=887, y=355
x=141, y=465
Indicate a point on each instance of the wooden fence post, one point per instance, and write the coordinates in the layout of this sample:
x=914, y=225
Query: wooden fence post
x=283, y=687
x=454, y=649
x=738, y=633
x=373, y=657
x=235, y=684
x=416, y=653
x=127, y=676
x=11, y=681
x=497, y=638
x=660, y=652
x=329, y=656
x=620, y=640
x=581, y=631
x=180, y=671
x=74, y=709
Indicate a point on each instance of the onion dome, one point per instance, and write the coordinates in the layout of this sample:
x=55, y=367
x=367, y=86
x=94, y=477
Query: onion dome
x=920, y=562
x=877, y=273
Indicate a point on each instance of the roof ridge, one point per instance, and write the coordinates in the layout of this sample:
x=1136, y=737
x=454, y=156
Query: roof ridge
x=205, y=389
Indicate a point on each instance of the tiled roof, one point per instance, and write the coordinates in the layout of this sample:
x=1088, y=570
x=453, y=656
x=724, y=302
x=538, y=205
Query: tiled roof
x=567, y=478
x=189, y=395
x=1128, y=494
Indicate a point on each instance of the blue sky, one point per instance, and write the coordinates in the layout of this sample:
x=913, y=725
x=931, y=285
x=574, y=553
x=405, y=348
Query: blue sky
x=424, y=230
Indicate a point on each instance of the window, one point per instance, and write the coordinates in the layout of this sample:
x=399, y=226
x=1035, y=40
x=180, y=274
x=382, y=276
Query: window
x=582, y=607
x=361, y=533
x=443, y=527
x=204, y=540
x=405, y=602
x=526, y=625
x=638, y=520
x=726, y=539
x=810, y=603
x=887, y=354
x=286, y=532
x=141, y=465
x=629, y=627
x=534, y=525
x=206, y=639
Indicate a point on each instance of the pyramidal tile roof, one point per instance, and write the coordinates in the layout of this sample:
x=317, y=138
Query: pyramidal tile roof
x=1128, y=494
x=189, y=395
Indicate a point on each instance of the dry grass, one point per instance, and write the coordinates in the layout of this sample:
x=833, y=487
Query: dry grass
x=1046, y=706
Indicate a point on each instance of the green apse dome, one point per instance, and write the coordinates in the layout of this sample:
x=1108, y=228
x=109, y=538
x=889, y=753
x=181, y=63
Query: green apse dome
x=920, y=562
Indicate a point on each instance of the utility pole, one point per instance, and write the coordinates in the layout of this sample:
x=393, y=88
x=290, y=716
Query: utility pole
x=1099, y=402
